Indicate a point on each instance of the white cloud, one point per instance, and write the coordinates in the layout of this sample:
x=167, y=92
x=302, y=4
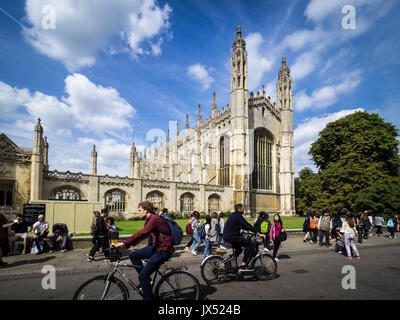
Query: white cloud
x=199, y=73
x=257, y=64
x=83, y=28
x=12, y=98
x=328, y=95
x=307, y=132
x=304, y=65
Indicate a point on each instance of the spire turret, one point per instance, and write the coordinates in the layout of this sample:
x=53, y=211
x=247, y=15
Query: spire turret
x=214, y=107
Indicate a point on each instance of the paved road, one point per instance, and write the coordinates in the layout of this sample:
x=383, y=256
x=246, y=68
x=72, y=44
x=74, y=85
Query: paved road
x=303, y=275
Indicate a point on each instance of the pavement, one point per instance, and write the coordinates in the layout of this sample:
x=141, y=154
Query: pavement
x=75, y=261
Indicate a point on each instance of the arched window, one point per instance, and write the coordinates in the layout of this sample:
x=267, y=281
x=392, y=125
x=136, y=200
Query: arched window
x=187, y=203
x=262, y=173
x=224, y=161
x=156, y=198
x=115, y=200
x=213, y=203
x=66, y=193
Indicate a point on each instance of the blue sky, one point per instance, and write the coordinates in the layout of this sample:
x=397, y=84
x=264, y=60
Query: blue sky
x=113, y=70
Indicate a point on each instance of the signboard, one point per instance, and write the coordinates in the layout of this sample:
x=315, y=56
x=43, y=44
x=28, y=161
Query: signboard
x=32, y=212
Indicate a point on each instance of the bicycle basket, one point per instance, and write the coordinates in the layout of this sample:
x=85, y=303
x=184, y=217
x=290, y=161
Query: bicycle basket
x=114, y=256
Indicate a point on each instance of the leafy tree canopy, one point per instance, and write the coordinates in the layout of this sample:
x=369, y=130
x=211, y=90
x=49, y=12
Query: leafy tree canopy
x=358, y=163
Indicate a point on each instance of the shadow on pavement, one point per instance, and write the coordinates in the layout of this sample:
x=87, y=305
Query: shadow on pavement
x=20, y=263
x=205, y=290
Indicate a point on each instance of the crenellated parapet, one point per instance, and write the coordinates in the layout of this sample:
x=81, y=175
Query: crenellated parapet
x=260, y=100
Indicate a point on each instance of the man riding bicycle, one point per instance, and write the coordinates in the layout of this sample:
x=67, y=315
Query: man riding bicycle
x=232, y=234
x=159, y=252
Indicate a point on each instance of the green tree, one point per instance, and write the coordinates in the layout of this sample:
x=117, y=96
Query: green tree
x=358, y=159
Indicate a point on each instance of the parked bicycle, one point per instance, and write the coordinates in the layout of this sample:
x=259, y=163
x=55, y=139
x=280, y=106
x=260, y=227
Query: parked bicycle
x=220, y=268
x=173, y=284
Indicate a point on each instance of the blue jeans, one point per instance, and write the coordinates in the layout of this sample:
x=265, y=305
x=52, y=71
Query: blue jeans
x=196, y=241
x=207, y=248
x=156, y=259
x=220, y=239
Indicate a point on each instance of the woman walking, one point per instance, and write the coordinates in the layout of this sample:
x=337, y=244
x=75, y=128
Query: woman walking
x=313, y=228
x=211, y=236
x=195, y=227
x=349, y=232
x=306, y=226
x=221, y=223
x=390, y=227
x=276, y=229
x=189, y=232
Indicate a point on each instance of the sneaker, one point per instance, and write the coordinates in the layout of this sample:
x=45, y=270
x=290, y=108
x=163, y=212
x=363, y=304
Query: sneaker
x=358, y=257
x=63, y=250
x=340, y=252
x=266, y=250
x=245, y=269
x=222, y=248
x=186, y=249
x=311, y=242
x=91, y=259
x=10, y=254
x=51, y=250
x=23, y=252
x=327, y=245
x=194, y=252
x=348, y=257
x=277, y=260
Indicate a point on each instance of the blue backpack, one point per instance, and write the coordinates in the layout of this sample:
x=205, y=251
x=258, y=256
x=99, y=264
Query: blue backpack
x=176, y=231
x=202, y=231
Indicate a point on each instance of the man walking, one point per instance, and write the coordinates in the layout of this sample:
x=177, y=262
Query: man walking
x=324, y=227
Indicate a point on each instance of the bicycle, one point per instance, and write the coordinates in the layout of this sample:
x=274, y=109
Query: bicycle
x=175, y=284
x=218, y=268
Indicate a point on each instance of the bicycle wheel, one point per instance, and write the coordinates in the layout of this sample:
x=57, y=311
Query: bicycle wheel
x=178, y=285
x=265, y=267
x=213, y=270
x=98, y=289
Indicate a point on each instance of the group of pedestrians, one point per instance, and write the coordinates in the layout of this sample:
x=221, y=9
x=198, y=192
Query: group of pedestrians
x=101, y=228
x=211, y=231
x=346, y=230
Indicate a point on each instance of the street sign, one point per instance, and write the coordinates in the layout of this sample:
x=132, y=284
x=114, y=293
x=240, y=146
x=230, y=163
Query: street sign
x=32, y=212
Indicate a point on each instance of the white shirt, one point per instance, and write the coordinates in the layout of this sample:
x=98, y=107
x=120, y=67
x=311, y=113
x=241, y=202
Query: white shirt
x=213, y=237
x=38, y=227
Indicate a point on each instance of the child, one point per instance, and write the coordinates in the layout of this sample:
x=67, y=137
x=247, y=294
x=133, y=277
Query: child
x=263, y=225
x=313, y=228
x=349, y=234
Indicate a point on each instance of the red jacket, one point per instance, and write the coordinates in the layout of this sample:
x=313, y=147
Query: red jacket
x=160, y=232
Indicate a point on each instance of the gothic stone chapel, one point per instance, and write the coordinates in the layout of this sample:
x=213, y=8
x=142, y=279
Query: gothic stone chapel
x=242, y=153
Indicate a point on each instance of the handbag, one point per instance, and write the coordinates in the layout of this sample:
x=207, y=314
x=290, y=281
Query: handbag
x=282, y=236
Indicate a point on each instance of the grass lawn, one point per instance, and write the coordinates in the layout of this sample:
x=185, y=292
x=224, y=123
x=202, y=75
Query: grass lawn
x=131, y=227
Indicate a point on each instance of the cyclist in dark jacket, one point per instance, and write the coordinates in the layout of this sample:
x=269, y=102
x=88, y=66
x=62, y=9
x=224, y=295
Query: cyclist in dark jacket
x=232, y=234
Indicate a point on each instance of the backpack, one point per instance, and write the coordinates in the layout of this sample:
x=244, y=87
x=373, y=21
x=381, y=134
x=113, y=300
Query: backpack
x=189, y=229
x=264, y=227
x=202, y=231
x=313, y=223
x=217, y=227
x=176, y=231
x=390, y=223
